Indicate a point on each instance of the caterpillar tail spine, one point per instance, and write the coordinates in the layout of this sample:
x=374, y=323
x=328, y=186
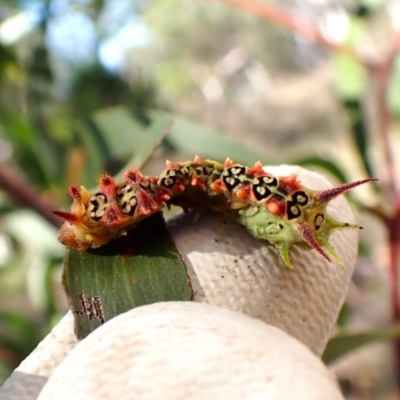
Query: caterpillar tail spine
x=313, y=227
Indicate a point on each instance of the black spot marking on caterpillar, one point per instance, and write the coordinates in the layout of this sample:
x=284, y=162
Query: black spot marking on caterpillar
x=169, y=179
x=128, y=207
x=319, y=220
x=293, y=211
x=97, y=205
x=300, y=198
x=270, y=181
x=261, y=191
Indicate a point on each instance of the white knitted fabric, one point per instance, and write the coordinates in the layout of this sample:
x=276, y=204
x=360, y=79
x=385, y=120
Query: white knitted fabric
x=230, y=271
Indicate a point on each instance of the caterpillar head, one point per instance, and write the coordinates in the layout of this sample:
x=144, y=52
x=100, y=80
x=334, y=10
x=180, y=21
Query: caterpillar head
x=95, y=219
x=79, y=230
x=311, y=226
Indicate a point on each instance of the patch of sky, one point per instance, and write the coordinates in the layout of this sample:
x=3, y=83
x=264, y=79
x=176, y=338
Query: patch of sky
x=20, y=24
x=112, y=50
x=121, y=28
x=72, y=35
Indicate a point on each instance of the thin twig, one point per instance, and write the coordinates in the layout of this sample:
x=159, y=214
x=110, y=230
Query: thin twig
x=160, y=140
x=24, y=195
x=382, y=74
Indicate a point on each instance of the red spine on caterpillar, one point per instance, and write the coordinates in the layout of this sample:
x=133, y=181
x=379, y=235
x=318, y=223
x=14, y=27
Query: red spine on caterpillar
x=96, y=219
x=278, y=209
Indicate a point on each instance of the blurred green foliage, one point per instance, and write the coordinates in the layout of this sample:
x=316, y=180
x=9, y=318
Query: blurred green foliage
x=66, y=119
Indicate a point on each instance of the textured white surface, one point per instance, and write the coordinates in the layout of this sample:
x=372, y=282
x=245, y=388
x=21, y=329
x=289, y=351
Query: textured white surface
x=186, y=350
x=235, y=271
x=28, y=379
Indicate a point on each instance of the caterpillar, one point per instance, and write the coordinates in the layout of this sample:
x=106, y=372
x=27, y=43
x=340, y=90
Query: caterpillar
x=277, y=209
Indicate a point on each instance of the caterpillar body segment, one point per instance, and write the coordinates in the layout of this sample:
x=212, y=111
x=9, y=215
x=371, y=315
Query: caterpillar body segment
x=96, y=219
x=277, y=209
x=305, y=221
x=80, y=230
x=186, y=179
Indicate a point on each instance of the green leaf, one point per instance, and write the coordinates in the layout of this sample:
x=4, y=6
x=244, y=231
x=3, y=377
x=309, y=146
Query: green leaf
x=194, y=139
x=351, y=77
x=359, y=129
x=344, y=315
x=344, y=343
x=115, y=135
x=123, y=131
x=141, y=268
x=18, y=333
x=101, y=284
x=351, y=84
x=24, y=140
x=367, y=7
x=5, y=368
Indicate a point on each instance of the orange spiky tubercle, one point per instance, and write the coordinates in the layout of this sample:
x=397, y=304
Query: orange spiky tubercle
x=278, y=209
x=79, y=231
x=96, y=219
x=187, y=185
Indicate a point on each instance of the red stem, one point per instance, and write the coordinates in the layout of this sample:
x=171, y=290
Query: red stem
x=382, y=75
x=394, y=243
x=393, y=225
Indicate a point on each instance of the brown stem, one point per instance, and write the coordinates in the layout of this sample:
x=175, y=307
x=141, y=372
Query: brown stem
x=393, y=225
x=24, y=195
x=9, y=357
x=382, y=73
x=382, y=76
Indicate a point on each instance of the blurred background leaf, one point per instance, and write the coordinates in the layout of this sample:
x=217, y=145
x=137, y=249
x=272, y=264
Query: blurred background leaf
x=345, y=343
x=88, y=87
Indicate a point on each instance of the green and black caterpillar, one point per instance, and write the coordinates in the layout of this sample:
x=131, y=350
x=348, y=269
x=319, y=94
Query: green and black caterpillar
x=278, y=209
